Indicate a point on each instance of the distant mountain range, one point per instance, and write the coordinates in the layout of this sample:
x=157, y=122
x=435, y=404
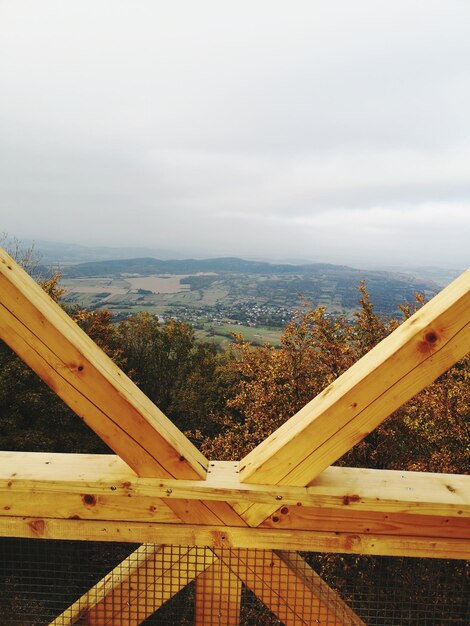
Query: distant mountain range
x=149, y=265
x=158, y=260
x=54, y=253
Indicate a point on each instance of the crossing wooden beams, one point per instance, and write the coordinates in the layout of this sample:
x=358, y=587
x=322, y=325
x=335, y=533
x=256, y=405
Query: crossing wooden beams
x=152, y=574
x=280, y=497
x=138, y=586
x=346, y=500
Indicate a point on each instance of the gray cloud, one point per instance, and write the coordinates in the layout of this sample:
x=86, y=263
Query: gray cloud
x=333, y=131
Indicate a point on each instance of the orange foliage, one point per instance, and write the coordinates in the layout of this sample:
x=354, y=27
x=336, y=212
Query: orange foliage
x=429, y=433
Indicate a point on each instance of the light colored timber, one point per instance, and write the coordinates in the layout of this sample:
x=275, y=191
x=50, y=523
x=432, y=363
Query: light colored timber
x=152, y=574
x=86, y=506
x=50, y=342
x=345, y=519
x=211, y=509
x=408, y=360
x=95, y=596
x=235, y=537
x=159, y=577
x=289, y=588
x=327, y=604
x=36, y=484
x=376, y=491
x=218, y=596
x=83, y=472
x=211, y=512
x=369, y=522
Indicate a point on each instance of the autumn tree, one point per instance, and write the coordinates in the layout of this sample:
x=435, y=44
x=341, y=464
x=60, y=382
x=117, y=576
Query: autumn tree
x=32, y=417
x=428, y=433
x=178, y=373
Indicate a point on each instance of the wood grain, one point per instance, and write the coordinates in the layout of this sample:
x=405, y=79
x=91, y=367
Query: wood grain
x=45, y=337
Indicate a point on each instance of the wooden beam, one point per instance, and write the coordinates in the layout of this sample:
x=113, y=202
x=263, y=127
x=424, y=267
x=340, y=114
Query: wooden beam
x=141, y=583
x=235, y=537
x=369, y=522
x=159, y=577
x=343, y=490
x=345, y=519
x=218, y=596
x=54, y=346
x=287, y=585
x=96, y=596
x=104, y=487
x=408, y=360
x=84, y=377
x=326, y=603
x=87, y=506
x=218, y=510
x=138, y=586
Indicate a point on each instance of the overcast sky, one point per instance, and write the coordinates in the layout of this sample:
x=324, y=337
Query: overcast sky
x=320, y=130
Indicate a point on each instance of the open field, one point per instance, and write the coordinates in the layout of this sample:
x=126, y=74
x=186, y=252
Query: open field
x=159, y=284
x=222, y=337
x=96, y=284
x=258, y=335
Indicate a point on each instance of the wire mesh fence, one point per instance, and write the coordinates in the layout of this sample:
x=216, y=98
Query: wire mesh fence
x=85, y=583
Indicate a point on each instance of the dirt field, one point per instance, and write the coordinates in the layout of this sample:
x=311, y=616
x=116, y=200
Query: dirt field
x=160, y=284
x=96, y=285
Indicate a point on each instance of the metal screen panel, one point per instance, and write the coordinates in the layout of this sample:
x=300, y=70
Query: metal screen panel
x=83, y=583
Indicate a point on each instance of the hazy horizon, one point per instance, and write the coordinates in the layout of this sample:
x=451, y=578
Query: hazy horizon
x=325, y=132
x=62, y=254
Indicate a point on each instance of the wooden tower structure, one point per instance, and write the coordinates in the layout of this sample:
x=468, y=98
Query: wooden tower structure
x=285, y=496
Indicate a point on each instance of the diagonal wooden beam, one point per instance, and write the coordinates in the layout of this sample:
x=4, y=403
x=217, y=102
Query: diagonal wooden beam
x=153, y=446
x=54, y=346
x=96, y=595
x=327, y=606
x=153, y=574
x=138, y=586
x=287, y=585
x=408, y=360
x=155, y=584
x=117, y=493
